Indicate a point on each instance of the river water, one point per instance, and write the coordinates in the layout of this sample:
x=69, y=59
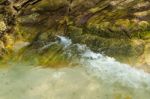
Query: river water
x=95, y=76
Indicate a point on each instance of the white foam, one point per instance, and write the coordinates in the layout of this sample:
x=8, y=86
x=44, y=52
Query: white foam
x=65, y=41
x=111, y=79
x=110, y=70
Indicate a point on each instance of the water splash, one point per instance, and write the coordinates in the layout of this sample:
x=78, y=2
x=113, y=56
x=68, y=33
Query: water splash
x=64, y=41
x=97, y=77
x=108, y=69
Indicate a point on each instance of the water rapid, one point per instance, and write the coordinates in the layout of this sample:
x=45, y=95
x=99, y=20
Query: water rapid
x=96, y=76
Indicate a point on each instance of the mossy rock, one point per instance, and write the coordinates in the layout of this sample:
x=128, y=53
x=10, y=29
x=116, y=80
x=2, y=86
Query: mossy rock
x=2, y=26
x=2, y=49
x=50, y=56
x=32, y=18
x=111, y=46
x=74, y=31
x=49, y=5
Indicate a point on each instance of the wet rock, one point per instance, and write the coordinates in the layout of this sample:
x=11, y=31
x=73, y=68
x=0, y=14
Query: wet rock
x=111, y=46
x=75, y=31
x=2, y=26
x=107, y=26
x=19, y=45
x=8, y=41
x=32, y=18
x=2, y=49
x=147, y=53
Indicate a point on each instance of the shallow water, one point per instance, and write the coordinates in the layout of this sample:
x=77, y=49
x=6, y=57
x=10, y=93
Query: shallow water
x=28, y=82
x=95, y=77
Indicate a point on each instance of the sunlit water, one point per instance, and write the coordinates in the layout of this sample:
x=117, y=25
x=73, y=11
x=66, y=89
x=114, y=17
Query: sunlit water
x=95, y=77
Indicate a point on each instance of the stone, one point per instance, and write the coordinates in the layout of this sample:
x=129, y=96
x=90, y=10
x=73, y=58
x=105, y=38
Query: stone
x=2, y=26
x=8, y=41
x=2, y=49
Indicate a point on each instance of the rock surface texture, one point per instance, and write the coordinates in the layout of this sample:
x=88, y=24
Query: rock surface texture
x=117, y=28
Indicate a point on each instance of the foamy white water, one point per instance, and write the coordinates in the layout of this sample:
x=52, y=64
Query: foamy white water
x=96, y=77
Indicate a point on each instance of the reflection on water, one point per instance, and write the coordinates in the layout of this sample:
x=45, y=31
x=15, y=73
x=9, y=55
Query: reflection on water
x=95, y=77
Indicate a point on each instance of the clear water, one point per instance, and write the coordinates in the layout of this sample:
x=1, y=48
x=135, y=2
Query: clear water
x=95, y=77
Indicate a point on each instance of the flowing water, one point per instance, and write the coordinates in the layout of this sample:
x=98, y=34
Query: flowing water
x=95, y=76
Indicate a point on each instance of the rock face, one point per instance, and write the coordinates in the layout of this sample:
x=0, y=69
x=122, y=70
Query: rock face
x=118, y=28
x=108, y=19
